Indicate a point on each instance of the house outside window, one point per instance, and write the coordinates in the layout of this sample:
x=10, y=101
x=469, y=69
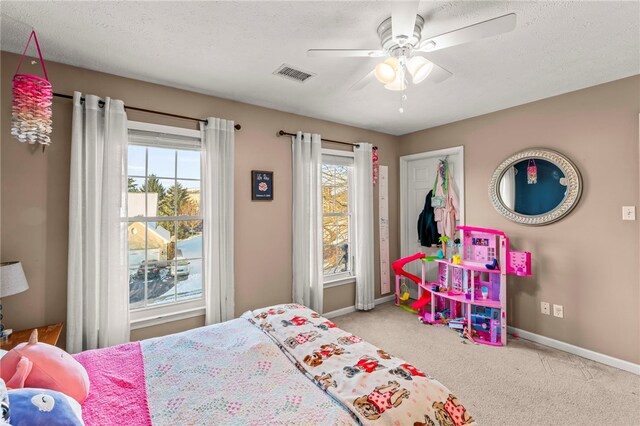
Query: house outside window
x=165, y=223
x=338, y=229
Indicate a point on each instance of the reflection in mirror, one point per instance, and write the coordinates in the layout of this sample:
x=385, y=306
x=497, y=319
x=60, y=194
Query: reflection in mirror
x=535, y=187
x=524, y=195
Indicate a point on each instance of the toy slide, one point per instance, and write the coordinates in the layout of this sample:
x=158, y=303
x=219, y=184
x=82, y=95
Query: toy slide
x=397, y=268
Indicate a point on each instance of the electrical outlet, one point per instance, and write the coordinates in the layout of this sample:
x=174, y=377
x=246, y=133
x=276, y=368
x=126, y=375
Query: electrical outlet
x=558, y=311
x=628, y=212
x=544, y=308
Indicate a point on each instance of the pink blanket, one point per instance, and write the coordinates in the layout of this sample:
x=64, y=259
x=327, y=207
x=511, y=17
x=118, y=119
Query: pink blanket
x=116, y=376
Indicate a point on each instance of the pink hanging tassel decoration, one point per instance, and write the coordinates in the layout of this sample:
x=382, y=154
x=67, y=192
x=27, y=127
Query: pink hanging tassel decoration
x=32, y=99
x=532, y=172
x=376, y=166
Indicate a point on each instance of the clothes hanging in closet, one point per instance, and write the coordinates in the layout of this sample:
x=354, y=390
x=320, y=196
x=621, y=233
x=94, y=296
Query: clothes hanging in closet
x=427, y=226
x=447, y=215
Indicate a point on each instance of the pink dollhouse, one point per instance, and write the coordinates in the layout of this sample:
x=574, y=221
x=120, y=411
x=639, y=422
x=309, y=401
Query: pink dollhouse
x=471, y=293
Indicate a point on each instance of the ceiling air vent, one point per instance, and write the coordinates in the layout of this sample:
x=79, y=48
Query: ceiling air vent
x=291, y=73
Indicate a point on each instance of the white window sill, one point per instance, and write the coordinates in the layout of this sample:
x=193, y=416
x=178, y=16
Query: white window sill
x=155, y=316
x=328, y=283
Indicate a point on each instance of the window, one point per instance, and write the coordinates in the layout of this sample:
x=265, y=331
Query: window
x=337, y=224
x=165, y=222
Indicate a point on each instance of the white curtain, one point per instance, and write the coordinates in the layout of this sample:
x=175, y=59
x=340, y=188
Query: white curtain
x=307, y=220
x=508, y=188
x=98, y=279
x=217, y=208
x=363, y=220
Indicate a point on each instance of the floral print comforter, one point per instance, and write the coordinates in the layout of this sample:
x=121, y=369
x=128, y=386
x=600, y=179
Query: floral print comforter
x=376, y=387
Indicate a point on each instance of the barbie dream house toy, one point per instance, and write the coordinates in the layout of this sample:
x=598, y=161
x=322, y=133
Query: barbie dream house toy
x=471, y=289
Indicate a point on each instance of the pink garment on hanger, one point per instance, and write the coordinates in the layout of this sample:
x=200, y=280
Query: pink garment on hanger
x=446, y=216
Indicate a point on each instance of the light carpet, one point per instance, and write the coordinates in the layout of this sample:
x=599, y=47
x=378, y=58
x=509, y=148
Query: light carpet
x=523, y=383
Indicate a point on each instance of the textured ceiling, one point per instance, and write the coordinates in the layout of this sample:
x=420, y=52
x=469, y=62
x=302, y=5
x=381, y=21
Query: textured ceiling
x=230, y=49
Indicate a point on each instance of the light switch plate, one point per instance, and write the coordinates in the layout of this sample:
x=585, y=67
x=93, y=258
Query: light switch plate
x=628, y=212
x=558, y=311
x=545, y=308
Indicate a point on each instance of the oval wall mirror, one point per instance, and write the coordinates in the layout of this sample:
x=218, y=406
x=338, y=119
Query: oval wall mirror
x=535, y=187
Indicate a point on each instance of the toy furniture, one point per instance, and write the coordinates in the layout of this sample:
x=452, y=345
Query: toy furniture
x=471, y=291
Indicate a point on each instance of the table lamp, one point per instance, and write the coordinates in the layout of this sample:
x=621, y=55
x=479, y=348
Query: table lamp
x=12, y=281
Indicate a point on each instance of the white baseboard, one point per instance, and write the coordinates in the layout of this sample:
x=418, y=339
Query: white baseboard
x=350, y=309
x=338, y=312
x=533, y=337
x=577, y=350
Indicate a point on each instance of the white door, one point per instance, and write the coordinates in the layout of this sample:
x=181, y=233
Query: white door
x=417, y=176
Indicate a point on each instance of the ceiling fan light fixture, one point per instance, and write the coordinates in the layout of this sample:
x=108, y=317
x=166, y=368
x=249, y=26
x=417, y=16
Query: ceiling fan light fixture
x=419, y=68
x=400, y=83
x=385, y=71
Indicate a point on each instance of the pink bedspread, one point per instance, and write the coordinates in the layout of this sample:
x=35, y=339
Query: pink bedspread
x=117, y=381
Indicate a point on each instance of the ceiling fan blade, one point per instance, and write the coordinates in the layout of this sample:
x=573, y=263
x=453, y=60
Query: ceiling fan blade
x=346, y=53
x=492, y=27
x=364, y=81
x=403, y=19
x=438, y=74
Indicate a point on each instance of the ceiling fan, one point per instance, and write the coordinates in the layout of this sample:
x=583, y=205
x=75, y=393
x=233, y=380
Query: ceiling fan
x=402, y=44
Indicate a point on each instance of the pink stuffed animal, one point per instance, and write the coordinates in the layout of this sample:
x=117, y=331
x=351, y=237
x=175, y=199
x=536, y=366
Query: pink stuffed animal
x=39, y=365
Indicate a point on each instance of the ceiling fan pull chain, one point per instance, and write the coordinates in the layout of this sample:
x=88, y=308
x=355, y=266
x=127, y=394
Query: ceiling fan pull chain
x=403, y=98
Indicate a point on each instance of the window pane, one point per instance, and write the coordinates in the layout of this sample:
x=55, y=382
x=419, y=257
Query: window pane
x=343, y=257
x=329, y=231
x=161, y=162
x=136, y=160
x=155, y=269
x=342, y=177
x=328, y=175
x=167, y=196
x=160, y=241
x=329, y=259
x=341, y=196
x=188, y=198
x=189, y=276
x=160, y=248
x=160, y=285
x=188, y=164
x=189, y=239
x=136, y=239
x=136, y=198
x=342, y=232
x=327, y=200
x=347, y=261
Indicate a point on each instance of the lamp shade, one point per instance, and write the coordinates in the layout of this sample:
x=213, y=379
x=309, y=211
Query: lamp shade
x=385, y=71
x=419, y=68
x=398, y=84
x=12, y=279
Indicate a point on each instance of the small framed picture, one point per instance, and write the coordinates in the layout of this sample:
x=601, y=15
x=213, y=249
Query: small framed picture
x=261, y=185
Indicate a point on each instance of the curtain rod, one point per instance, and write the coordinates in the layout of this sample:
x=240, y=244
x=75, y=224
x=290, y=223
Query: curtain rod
x=184, y=117
x=283, y=133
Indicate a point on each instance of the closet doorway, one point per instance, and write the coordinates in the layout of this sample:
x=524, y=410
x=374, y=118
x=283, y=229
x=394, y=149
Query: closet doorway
x=417, y=176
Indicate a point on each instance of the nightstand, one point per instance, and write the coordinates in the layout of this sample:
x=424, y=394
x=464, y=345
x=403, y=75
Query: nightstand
x=47, y=334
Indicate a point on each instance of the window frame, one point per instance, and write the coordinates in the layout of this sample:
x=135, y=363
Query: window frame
x=154, y=315
x=343, y=278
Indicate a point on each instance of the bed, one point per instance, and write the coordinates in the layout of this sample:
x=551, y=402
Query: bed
x=283, y=364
